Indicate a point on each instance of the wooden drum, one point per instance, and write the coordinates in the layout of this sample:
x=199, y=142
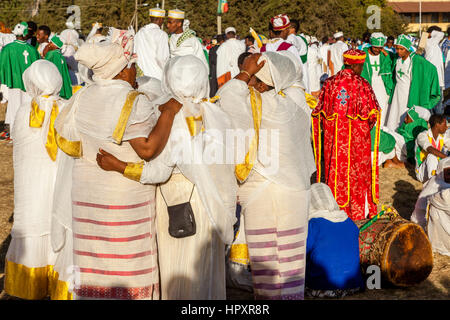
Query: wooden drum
x=399, y=247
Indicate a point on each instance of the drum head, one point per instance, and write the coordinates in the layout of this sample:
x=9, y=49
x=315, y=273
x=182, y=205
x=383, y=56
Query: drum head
x=408, y=257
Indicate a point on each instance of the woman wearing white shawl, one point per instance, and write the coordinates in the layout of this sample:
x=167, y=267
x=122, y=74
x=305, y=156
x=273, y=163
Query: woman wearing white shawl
x=275, y=189
x=332, y=260
x=193, y=169
x=433, y=186
x=113, y=219
x=30, y=258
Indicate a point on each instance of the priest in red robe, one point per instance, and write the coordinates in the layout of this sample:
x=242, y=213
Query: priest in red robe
x=342, y=121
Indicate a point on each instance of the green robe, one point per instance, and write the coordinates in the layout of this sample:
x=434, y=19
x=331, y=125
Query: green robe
x=58, y=59
x=386, y=66
x=387, y=141
x=410, y=132
x=15, y=58
x=424, y=90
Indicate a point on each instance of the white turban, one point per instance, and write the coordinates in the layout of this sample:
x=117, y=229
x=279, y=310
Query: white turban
x=106, y=60
x=338, y=34
x=42, y=78
x=230, y=29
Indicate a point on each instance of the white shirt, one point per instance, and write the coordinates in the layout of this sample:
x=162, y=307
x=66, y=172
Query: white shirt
x=151, y=45
x=227, y=57
x=337, y=52
x=314, y=68
x=399, y=104
x=378, y=86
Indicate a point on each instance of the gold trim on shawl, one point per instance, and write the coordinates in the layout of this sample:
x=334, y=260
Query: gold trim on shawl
x=35, y=283
x=192, y=126
x=124, y=116
x=72, y=148
x=51, y=145
x=37, y=115
x=134, y=170
x=243, y=170
x=239, y=254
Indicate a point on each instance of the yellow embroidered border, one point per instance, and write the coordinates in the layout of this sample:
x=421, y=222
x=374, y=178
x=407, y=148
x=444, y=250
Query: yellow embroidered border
x=124, y=116
x=72, y=148
x=35, y=283
x=243, y=170
x=133, y=171
x=353, y=57
x=239, y=254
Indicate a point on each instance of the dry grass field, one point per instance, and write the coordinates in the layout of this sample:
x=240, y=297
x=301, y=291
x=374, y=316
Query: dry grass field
x=397, y=188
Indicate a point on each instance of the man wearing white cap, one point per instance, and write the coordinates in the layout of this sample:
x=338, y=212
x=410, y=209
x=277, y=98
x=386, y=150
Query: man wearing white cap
x=183, y=42
x=227, y=57
x=335, y=60
x=152, y=45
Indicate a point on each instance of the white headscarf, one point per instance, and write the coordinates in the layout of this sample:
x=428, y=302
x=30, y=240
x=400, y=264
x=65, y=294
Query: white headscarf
x=323, y=204
x=42, y=78
x=185, y=78
x=106, y=60
x=277, y=71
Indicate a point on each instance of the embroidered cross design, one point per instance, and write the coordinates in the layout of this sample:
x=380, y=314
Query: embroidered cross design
x=26, y=54
x=401, y=73
x=375, y=66
x=343, y=97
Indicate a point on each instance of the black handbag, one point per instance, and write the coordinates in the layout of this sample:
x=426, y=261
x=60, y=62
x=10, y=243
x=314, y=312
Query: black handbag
x=181, y=218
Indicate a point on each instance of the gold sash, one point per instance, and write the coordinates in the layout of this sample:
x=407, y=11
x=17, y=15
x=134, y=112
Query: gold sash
x=243, y=170
x=37, y=117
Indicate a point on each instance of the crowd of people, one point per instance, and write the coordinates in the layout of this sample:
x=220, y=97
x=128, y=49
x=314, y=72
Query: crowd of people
x=127, y=184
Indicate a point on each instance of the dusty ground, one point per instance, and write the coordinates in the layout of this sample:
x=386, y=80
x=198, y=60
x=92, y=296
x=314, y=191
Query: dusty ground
x=397, y=188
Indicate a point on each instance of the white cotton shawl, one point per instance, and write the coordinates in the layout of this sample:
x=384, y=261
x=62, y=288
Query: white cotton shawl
x=323, y=204
x=186, y=79
x=35, y=172
x=288, y=159
x=438, y=227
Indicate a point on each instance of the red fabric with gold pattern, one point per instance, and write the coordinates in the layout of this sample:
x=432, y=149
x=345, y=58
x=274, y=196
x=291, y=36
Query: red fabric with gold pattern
x=346, y=112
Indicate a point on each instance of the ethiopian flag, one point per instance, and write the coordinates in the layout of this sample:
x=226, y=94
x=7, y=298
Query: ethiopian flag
x=222, y=7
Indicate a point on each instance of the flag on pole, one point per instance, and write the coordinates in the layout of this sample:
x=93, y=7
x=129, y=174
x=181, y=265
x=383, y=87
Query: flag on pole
x=222, y=7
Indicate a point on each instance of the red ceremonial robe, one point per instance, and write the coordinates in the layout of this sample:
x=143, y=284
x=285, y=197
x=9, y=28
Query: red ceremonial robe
x=346, y=112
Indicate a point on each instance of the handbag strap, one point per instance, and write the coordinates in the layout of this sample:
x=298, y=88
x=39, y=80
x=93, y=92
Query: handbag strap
x=190, y=197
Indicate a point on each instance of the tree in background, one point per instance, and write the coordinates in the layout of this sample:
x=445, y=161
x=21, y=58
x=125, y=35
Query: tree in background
x=317, y=17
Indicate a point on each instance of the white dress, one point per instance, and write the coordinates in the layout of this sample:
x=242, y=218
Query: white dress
x=399, y=105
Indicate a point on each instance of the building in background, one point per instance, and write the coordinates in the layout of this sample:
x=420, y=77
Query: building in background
x=434, y=12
